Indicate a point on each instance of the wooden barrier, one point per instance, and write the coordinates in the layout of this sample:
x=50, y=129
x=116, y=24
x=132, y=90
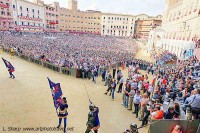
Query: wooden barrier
x=64, y=70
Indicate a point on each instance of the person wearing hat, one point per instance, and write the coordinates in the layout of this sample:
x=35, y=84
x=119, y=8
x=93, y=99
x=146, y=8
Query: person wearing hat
x=93, y=122
x=63, y=113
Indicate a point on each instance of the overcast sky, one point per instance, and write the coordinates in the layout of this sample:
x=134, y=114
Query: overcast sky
x=134, y=7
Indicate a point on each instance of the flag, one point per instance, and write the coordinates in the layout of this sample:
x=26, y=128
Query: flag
x=8, y=65
x=56, y=93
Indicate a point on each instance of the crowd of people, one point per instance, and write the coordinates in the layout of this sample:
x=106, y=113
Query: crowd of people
x=165, y=96
x=145, y=97
x=71, y=50
x=164, y=57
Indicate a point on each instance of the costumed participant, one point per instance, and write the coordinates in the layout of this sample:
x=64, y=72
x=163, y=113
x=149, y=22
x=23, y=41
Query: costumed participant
x=63, y=113
x=1, y=49
x=93, y=122
x=133, y=129
x=11, y=69
x=12, y=53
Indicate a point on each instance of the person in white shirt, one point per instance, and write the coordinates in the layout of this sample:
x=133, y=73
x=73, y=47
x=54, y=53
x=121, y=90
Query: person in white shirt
x=136, y=100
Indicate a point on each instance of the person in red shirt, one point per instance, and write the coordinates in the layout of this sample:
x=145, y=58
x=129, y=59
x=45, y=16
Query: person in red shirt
x=157, y=114
x=146, y=87
x=164, y=81
x=154, y=81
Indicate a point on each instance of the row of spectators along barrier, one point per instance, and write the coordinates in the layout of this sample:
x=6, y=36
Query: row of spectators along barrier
x=75, y=72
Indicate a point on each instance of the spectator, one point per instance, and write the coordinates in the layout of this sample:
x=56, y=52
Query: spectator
x=136, y=100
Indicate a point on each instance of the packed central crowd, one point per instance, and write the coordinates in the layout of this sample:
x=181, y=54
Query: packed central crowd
x=71, y=50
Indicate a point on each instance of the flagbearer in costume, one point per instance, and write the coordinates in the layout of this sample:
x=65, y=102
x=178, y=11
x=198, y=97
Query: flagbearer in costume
x=63, y=113
x=12, y=53
x=93, y=122
x=59, y=103
x=11, y=70
x=1, y=49
x=10, y=67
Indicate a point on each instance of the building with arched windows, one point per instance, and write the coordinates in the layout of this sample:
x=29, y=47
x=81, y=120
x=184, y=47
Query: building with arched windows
x=181, y=24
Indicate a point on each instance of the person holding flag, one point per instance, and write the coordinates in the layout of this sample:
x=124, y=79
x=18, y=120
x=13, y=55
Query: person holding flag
x=59, y=103
x=10, y=67
x=63, y=113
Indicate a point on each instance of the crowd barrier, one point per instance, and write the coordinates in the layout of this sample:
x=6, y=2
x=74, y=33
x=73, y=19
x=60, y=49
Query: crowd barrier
x=64, y=70
x=167, y=126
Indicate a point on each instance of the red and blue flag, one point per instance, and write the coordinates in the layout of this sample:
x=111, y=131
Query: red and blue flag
x=8, y=65
x=56, y=93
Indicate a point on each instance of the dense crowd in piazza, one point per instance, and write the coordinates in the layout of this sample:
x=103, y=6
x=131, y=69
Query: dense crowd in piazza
x=71, y=50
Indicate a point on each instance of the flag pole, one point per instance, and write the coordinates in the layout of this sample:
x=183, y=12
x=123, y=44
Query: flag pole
x=87, y=93
x=52, y=93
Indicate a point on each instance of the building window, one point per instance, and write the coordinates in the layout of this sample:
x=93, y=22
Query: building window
x=22, y=23
x=21, y=14
x=27, y=9
x=38, y=12
x=13, y=6
x=33, y=10
x=20, y=7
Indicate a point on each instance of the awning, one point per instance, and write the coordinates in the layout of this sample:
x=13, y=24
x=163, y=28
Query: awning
x=4, y=6
x=29, y=26
x=52, y=23
x=53, y=31
x=6, y=19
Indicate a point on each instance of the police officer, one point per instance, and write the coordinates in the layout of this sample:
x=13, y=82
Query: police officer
x=93, y=122
x=63, y=113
